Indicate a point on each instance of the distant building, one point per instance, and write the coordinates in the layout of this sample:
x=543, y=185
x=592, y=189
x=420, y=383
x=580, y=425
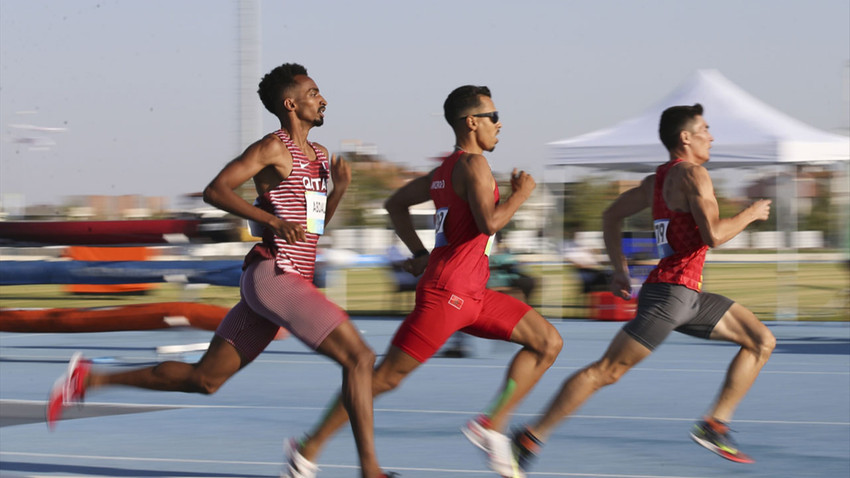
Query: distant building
x=806, y=185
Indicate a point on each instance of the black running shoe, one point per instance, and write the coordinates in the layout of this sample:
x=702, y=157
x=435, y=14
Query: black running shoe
x=525, y=447
x=715, y=437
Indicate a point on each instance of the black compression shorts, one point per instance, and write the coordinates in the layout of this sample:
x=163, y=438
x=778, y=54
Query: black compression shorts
x=663, y=308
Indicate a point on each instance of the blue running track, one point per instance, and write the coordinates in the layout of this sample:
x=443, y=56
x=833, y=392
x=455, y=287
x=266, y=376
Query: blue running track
x=795, y=422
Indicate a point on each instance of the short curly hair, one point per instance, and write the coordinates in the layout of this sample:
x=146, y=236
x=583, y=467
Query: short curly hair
x=273, y=85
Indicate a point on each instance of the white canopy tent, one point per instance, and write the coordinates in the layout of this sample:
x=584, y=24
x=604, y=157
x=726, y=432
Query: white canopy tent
x=748, y=133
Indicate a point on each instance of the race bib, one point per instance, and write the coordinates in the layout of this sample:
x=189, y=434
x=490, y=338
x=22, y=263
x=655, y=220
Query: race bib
x=489, y=245
x=316, y=203
x=254, y=227
x=661, y=244
x=439, y=224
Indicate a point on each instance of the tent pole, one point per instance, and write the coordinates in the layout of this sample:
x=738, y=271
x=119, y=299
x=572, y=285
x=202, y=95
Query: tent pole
x=844, y=216
x=786, y=244
x=552, y=285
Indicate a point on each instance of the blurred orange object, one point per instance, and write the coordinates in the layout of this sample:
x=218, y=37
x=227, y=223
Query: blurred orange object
x=86, y=253
x=607, y=306
x=161, y=315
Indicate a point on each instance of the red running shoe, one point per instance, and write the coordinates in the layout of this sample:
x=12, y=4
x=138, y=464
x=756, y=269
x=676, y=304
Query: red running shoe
x=69, y=389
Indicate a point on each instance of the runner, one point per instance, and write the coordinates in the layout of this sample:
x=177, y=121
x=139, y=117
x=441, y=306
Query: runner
x=452, y=294
x=291, y=175
x=687, y=223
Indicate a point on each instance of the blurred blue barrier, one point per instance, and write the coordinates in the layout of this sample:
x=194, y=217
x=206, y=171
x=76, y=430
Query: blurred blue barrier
x=215, y=272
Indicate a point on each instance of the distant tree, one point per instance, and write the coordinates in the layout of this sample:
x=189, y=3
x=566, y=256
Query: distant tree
x=584, y=202
x=823, y=216
x=729, y=207
x=372, y=182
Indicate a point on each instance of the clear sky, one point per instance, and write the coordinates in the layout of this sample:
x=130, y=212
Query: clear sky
x=147, y=89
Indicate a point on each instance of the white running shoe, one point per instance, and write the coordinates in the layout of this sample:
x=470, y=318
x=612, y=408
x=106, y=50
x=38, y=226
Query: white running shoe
x=296, y=466
x=501, y=456
x=498, y=447
x=475, y=431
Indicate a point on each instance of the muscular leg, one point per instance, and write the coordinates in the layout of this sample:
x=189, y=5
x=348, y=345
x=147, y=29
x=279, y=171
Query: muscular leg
x=541, y=345
x=345, y=346
x=218, y=364
x=742, y=327
x=623, y=354
x=388, y=375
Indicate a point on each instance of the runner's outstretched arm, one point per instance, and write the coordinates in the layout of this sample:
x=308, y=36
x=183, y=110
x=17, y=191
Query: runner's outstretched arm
x=267, y=152
x=398, y=207
x=629, y=203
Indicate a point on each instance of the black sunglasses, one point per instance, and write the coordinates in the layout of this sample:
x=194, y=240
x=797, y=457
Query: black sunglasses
x=493, y=115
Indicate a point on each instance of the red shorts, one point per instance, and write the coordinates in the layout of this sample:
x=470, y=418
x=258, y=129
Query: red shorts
x=440, y=313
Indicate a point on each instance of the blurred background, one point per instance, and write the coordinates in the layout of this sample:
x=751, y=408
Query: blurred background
x=116, y=114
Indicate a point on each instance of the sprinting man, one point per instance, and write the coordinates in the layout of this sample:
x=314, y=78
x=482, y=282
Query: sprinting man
x=687, y=223
x=452, y=294
x=291, y=176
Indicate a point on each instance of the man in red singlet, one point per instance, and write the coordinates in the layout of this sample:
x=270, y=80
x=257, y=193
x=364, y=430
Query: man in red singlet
x=452, y=294
x=291, y=176
x=687, y=222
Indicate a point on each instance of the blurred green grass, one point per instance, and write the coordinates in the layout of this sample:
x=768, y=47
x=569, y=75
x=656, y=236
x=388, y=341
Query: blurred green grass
x=818, y=291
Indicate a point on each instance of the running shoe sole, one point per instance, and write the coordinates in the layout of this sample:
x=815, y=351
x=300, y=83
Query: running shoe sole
x=738, y=457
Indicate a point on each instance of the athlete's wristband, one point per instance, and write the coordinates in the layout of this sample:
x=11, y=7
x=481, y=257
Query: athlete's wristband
x=420, y=253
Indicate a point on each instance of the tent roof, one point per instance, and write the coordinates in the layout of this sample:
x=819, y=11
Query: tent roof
x=747, y=132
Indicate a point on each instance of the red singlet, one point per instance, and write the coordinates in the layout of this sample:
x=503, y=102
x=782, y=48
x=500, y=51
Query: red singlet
x=452, y=294
x=680, y=245
x=459, y=261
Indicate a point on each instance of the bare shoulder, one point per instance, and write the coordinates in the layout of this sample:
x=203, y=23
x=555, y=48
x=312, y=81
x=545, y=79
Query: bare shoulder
x=270, y=150
x=474, y=169
x=270, y=144
x=474, y=164
x=691, y=172
x=471, y=173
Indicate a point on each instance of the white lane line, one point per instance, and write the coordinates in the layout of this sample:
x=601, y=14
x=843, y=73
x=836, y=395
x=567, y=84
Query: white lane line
x=572, y=368
x=133, y=458
x=434, y=412
x=322, y=465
